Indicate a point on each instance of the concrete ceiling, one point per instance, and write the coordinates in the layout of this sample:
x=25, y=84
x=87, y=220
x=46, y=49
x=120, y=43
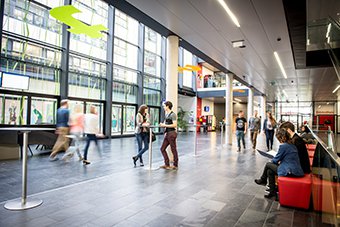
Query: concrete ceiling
x=205, y=25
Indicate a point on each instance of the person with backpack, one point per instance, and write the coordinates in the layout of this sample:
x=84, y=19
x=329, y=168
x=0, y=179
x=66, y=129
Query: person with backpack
x=254, y=128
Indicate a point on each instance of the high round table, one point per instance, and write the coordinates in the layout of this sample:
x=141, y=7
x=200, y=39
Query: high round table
x=24, y=203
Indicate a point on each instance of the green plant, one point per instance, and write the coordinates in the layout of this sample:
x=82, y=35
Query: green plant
x=182, y=123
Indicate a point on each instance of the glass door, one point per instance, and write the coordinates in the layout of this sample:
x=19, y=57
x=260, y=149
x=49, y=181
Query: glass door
x=116, y=120
x=129, y=113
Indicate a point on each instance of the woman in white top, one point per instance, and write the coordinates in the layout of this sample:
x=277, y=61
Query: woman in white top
x=90, y=129
x=142, y=133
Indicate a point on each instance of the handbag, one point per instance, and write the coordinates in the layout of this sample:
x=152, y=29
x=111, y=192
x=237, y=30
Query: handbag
x=153, y=137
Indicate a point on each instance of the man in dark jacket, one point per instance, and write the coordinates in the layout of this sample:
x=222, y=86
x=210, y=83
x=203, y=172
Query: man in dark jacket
x=300, y=145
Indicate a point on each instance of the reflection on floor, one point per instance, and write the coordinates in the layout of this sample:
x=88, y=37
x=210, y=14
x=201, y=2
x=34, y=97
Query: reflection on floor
x=215, y=188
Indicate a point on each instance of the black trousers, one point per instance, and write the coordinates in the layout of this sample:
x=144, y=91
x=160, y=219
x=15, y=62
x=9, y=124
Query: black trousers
x=269, y=172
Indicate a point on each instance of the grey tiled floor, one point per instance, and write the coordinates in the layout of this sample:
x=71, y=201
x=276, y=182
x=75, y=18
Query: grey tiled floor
x=215, y=188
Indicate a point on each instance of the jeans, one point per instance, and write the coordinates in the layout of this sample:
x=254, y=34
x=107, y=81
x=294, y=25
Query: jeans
x=253, y=137
x=270, y=171
x=170, y=138
x=240, y=136
x=270, y=139
x=142, y=137
x=89, y=138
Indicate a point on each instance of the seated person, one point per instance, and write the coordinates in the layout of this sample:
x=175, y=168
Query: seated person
x=300, y=145
x=285, y=163
x=306, y=135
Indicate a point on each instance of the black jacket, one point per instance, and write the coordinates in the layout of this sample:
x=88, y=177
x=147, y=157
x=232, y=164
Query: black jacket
x=303, y=154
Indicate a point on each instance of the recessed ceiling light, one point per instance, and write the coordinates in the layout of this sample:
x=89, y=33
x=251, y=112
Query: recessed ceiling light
x=231, y=15
x=280, y=65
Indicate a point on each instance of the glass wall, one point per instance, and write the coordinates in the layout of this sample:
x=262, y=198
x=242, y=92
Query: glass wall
x=33, y=45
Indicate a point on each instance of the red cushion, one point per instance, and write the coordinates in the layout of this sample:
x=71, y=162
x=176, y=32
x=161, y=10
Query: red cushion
x=295, y=191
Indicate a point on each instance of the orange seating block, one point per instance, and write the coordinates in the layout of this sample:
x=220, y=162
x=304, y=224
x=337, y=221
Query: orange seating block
x=295, y=191
x=325, y=195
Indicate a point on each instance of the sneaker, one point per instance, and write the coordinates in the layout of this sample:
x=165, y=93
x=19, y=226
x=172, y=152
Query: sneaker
x=260, y=182
x=52, y=159
x=86, y=162
x=81, y=158
x=134, y=158
x=141, y=164
x=174, y=167
x=165, y=167
x=239, y=149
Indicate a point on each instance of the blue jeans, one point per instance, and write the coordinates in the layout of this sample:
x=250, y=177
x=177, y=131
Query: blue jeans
x=240, y=136
x=89, y=138
x=142, y=137
x=269, y=138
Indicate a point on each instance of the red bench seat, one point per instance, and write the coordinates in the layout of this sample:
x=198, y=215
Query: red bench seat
x=295, y=191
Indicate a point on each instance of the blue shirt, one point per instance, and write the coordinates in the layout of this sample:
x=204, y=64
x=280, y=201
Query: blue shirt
x=62, y=117
x=289, y=161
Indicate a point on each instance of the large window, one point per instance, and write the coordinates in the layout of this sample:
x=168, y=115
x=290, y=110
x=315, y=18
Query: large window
x=152, y=53
x=125, y=54
x=43, y=111
x=187, y=75
x=14, y=109
x=124, y=93
x=126, y=28
x=28, y=19
x=124, y=75
x=152, y=97
x=93, y=12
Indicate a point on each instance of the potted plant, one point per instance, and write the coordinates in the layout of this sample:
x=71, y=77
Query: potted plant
x=182, y=122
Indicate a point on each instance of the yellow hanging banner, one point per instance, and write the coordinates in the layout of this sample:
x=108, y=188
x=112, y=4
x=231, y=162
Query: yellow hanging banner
x=191, y=68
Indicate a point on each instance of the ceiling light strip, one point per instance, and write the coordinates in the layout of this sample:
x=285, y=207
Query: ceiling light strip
x=336, y=88
x=280, y=64
x=231, y=15
x=239, y=100
x=284, y=92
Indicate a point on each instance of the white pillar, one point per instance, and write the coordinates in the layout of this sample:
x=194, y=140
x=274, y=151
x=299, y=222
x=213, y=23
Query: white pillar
x=172, y=71
x=229, y=109
x=250, y=107
x=263, y=109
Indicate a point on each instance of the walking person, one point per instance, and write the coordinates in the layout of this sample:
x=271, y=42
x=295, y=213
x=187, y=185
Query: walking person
x=76, y=132
x=254, y=128
x=269, y=126
x=91, y=130
x=142, y=133
x=62, y=142
x=241, y=129
x=170, y=135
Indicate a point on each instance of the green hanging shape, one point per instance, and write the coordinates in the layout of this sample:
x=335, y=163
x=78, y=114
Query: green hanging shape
x=64, y=14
